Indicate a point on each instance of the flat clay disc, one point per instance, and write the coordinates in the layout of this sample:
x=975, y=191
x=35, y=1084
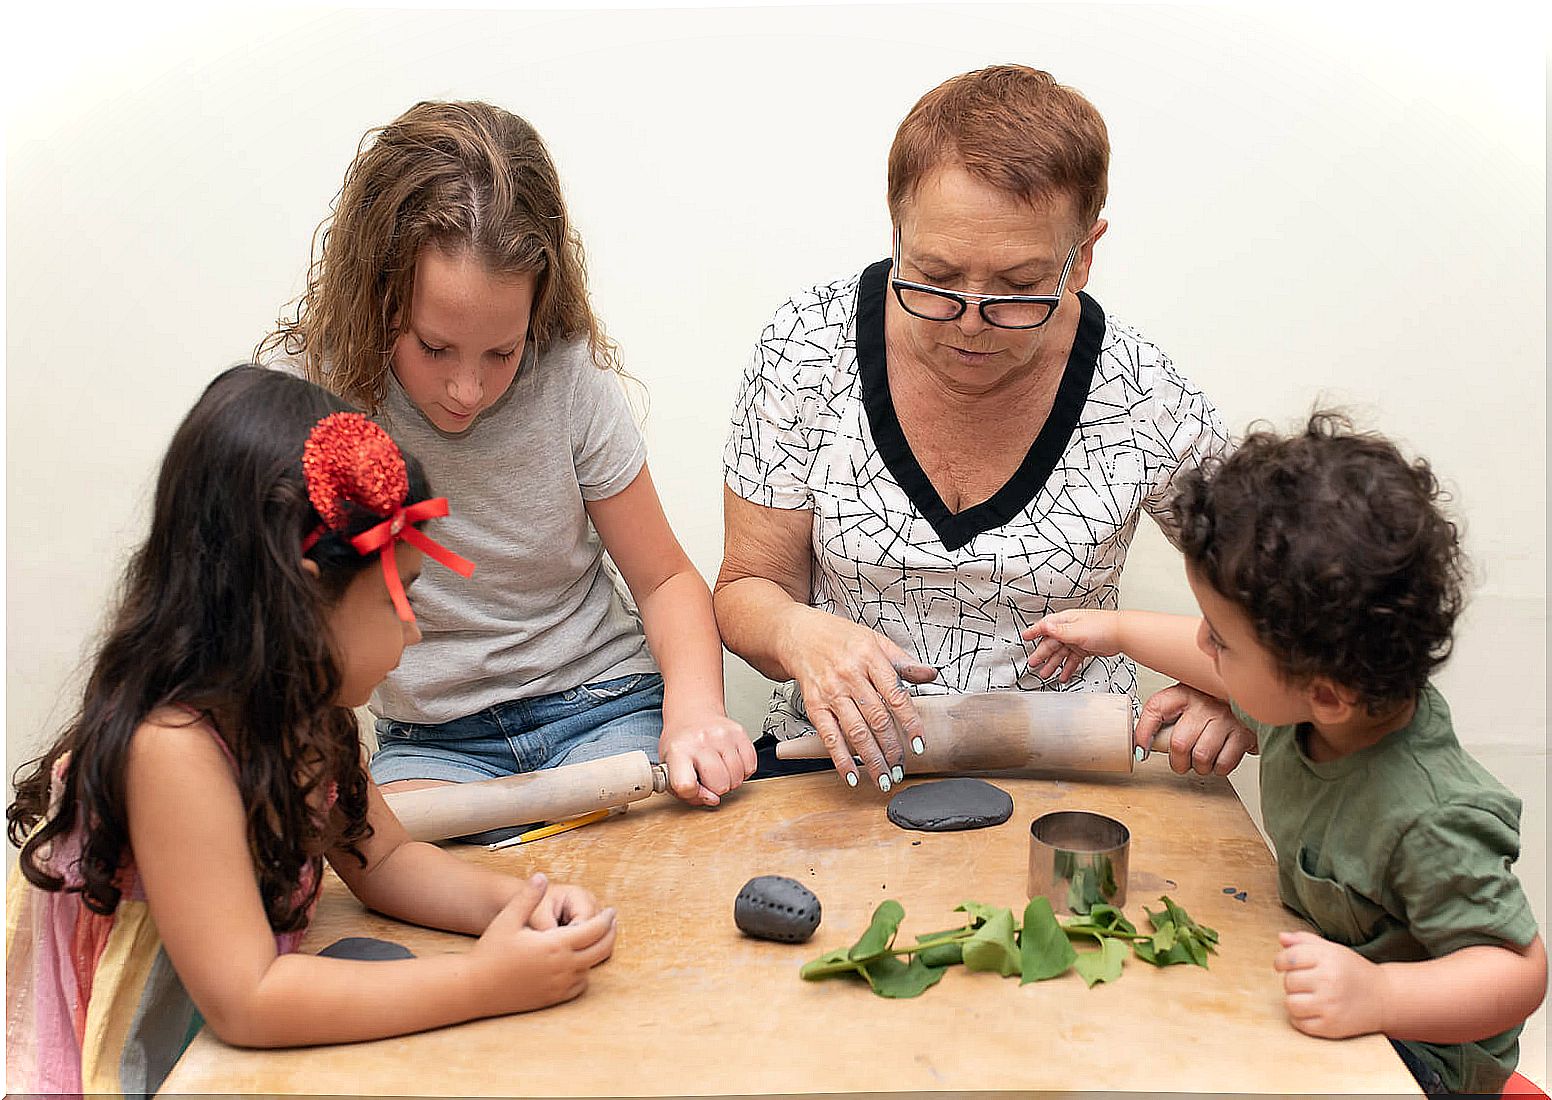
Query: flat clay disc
x=367, y=949
x=950, y=804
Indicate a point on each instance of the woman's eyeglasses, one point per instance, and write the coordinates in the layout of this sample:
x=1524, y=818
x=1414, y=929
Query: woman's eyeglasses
x=933, y=303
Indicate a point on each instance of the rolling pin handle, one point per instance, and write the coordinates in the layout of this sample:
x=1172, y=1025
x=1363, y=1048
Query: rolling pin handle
x=1160, y=743
x=659, y=778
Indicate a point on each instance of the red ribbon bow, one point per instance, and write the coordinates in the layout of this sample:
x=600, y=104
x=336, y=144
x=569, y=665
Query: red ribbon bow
x=401, y=525
x=348, y=459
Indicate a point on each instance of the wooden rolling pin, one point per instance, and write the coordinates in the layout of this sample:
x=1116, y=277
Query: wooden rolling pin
x=458, y=809
x=1033, y=731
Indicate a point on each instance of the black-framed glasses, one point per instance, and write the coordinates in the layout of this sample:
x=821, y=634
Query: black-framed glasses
x=933, y=303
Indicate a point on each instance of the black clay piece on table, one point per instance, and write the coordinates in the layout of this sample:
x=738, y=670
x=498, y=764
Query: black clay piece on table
x=772, y=907
x=950, y=804
x=366, y=949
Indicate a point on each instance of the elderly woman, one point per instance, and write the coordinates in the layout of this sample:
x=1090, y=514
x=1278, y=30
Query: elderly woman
x=929, y=456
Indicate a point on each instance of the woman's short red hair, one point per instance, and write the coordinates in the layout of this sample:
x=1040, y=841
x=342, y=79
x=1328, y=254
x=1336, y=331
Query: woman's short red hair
x=1012, y=127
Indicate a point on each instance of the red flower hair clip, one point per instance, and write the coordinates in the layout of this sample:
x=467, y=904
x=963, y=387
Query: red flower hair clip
x=350, y=459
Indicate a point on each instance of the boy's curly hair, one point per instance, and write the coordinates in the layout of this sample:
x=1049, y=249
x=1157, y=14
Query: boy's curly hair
x=1334, y=546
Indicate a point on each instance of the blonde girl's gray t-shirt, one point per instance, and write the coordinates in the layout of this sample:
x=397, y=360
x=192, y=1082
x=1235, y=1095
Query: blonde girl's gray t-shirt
x=541, y=613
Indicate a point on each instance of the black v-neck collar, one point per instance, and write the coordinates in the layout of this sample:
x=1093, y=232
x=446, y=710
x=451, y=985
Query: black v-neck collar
x=955, y=529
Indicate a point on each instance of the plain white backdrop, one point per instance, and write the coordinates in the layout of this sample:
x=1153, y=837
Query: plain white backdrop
x=1330, y=203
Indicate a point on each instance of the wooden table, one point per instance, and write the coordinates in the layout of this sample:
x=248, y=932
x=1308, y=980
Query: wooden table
x=690, y=1006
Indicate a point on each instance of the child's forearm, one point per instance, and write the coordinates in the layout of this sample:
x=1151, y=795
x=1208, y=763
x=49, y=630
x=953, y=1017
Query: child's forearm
x=302, y=1000
x=1167, y=644
x=682, y=633
x=467, y=897
x=1464, y=996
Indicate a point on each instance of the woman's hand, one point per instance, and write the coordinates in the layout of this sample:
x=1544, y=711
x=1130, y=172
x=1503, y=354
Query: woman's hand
x=851, y=680
x=1068, y=638
x=1207, y=738
x=523, y=968
x=706, y=757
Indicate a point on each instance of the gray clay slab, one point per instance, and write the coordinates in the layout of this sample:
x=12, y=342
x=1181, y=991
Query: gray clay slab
x=949, y=804
x=774, y=907
x=366, y=948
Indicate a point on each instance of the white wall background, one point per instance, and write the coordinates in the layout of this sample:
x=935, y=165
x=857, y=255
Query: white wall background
x=1340, y=202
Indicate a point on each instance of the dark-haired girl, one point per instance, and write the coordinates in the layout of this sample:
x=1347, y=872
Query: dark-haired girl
x=172, y=839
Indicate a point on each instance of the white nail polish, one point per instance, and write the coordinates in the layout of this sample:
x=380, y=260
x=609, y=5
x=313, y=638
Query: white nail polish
x=851, y=779
x=898, y=772
x=883, y=783
x=918, y=746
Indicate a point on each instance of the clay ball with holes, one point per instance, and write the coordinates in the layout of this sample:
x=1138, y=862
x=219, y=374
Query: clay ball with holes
x=772, y=907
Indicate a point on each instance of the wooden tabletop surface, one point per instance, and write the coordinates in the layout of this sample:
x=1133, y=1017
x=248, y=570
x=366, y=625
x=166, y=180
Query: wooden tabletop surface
x=688, y=1005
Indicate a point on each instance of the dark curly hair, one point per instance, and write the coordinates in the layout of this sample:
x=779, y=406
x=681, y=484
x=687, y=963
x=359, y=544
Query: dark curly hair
x=1334, y=546
x=217, y=614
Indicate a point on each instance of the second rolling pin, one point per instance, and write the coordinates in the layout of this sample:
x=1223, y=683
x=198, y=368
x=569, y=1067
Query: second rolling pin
x=458, y=809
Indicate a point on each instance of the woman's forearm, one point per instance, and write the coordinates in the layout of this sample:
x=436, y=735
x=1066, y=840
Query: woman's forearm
x=753, y=614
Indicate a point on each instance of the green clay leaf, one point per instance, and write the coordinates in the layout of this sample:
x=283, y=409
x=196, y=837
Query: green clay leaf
x=1181, y=918
x=1178, y=939
x=828, y=965
x=1145, y=950
x=944, y=954
x=1044, y=951
x=1111, y=919
x=881, y=932
x=1103, y=965
x=1198, y=951
x=978, y=914
x=890, y=977
x=992, y=947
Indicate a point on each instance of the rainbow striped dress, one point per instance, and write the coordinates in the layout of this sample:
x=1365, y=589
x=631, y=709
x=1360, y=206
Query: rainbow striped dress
x=93, y=1004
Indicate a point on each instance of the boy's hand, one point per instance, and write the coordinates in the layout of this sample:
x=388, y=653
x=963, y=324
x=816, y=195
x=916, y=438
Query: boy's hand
x=1330, y=991
x=706, y=758
x=1068, y=638
x=522, y=968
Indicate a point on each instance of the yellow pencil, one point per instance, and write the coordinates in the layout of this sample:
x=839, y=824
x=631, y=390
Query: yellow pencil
x=558, y=827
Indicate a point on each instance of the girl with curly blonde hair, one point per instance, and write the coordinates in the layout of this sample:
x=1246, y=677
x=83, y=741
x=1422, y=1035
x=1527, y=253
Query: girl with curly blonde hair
x=448, y=297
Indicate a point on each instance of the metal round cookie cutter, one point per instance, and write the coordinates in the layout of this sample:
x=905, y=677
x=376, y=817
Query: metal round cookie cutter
x=1077, y=860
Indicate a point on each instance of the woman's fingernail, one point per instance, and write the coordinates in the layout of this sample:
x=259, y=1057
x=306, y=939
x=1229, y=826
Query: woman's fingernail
x=851, y=779
x=883, y=783
x=898, y=772
x=918, y=746
x=1139, y=753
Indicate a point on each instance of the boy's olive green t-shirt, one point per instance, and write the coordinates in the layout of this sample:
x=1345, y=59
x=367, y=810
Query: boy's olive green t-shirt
x=1401, y=851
